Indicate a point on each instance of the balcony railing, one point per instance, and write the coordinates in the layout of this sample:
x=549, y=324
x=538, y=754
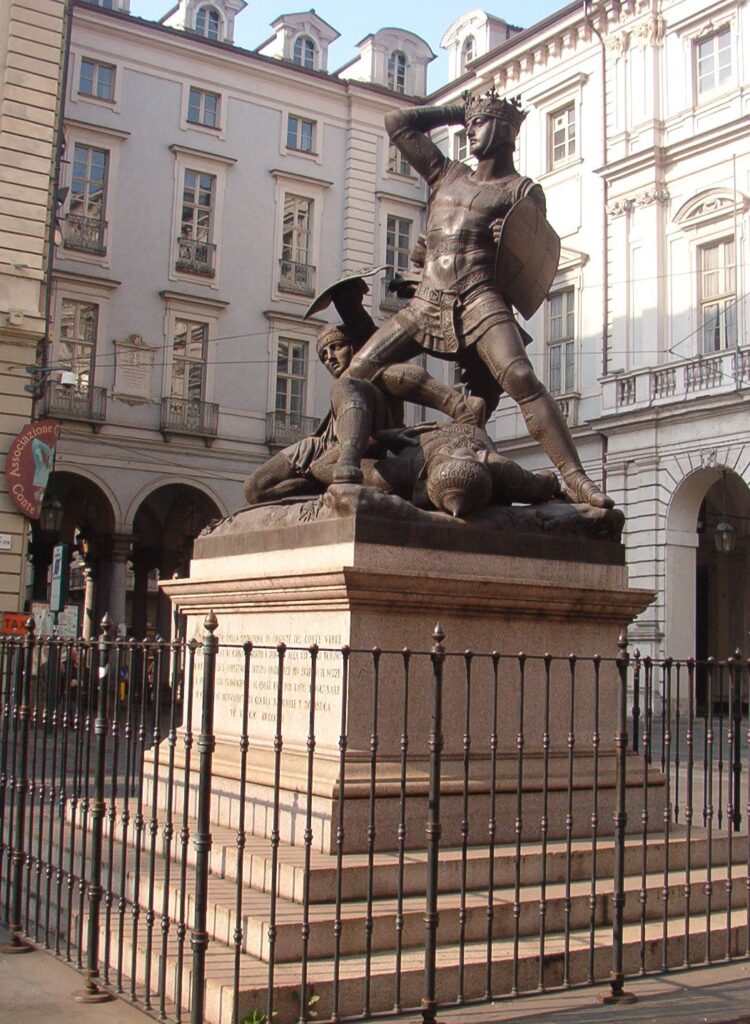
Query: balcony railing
x=66, y=402
x=283, y=428
x=715, y=373
x=195, y=257
x=87, y=234
x=189, y=416
x=298, y=278
x=569, y=407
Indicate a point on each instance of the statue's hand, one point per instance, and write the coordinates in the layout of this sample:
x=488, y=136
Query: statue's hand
x=405, y=285
x=396, y=439
x=496, y=227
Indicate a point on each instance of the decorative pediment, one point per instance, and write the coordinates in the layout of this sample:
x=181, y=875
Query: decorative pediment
x=713, y=204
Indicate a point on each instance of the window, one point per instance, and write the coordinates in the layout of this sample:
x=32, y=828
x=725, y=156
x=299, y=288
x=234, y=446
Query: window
x=208, y=23
x=296, y=246
x=468, y=52
x=713, y=60
x=560, y=342
x=717, y=296
x=397, y=71
x=78, y=322
x=97, y=80
x=195, y=251
x=189, y=352
x=304, y=52
x=203, y=108
x=397, y=162
x=291, y=374
x=562, y=135
x=300, y=134
x=397, y=248
x=85, y=224
x=460, y=146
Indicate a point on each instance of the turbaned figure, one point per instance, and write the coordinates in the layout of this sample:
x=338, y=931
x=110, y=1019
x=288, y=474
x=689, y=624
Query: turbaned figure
x=458, y=311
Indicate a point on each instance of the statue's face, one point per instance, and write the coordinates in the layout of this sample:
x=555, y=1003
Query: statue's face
x=485, y=134
x=336, y=357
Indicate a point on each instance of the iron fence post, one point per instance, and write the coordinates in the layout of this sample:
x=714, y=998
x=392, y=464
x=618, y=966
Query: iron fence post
x=205, y=745
x=617, y=993
x=737, y=751
x=432, y=830
x=20, y=721
x=92, y=993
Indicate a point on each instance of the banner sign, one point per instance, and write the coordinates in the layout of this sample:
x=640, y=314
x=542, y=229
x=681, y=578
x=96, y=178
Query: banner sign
x=30, y=460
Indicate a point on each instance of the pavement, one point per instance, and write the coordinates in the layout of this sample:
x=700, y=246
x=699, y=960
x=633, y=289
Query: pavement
x=37, y=988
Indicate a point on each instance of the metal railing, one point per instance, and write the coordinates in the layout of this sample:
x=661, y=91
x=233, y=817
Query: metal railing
x=87, y=234
x=196, y=257
x=66, y=402
x=189, y=416
x=501, y=823
x=298, y=278
x=284, y=428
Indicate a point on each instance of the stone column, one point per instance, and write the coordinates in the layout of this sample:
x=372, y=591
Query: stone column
x=143, y=562
x=114, y=570
x=88, y=625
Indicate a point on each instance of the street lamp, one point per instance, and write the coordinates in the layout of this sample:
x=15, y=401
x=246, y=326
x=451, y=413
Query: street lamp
x=51, y=516
x=725, y=535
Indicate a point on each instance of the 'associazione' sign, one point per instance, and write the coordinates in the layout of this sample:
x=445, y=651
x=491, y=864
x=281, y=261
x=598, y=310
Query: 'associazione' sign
x=30, y=460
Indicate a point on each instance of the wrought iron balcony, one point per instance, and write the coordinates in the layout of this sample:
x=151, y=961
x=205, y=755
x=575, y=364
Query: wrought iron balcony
x=65, y=402
x=283, y=428
x=298, y=278
x=87, y=234
x=189, y=416
x=195, y=257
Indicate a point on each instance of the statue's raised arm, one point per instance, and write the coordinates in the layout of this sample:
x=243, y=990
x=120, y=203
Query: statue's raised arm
x=407, y=129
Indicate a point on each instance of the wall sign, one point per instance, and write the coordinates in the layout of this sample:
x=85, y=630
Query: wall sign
x=30, y=460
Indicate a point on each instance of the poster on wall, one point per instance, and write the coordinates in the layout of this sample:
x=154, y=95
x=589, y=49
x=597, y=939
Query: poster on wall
x=30, y=460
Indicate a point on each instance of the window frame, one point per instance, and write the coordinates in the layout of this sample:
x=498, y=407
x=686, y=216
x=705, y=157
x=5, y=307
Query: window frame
x=396, y=77
x=202, y=94
x=725, y=299
x=398, y=164
x=300, y=121
x=566, y=343
x=569, y=156
x=186, y=362
x=188, y=159
x=289, y=375
x=207, y=10
x=308, y=52
x=466, y=59
x=714, y=33
x=461, y=146
x=70, y=361
x=97, y=66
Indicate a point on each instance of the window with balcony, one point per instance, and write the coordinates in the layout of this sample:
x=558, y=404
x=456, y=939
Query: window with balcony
x=397, y=71
x=397, y=162
x=96, y=80
x=297, y=274
x=397, y=249
x=76, y=352
x=203, y=107
x=85, y=226
x=291, y=382
x=562, y=135
x=208, y=23
x=460, y=145
x=713, y=61
x=718, y=300
x=195, y=250
x=185, y=410
x=303, y=52
x=300, y=134
x=561, y=342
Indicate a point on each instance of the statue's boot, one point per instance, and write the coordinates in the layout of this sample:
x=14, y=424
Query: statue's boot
x=546, y=424
x=414, y=384
x=353, y=428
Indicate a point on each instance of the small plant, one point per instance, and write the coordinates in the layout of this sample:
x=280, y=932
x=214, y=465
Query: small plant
x=257, y=1017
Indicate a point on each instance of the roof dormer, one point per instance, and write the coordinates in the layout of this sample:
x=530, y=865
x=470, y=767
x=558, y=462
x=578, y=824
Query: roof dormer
x=211, y=19
x=394, y=58
x=301, y=38
x=471, y=36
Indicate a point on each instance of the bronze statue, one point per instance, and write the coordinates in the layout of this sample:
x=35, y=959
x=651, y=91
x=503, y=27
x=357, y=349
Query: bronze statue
x=458, y=310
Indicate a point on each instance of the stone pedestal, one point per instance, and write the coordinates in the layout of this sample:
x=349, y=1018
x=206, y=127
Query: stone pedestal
x=331, y=572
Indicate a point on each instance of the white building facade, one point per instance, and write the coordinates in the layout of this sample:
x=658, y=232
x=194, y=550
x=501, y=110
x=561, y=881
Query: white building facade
x=210, y=192
x=638, y=131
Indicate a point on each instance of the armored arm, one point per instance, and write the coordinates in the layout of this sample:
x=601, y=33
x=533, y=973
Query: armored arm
x=407, y=129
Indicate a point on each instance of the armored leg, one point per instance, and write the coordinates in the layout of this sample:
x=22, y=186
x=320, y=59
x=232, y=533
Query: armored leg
x=414, y=384
x=503, y=352
x=277, y=478
x=354, y=405
x=390, y=344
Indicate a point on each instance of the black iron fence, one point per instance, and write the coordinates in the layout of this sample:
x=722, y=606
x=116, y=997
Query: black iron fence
x=233, y=832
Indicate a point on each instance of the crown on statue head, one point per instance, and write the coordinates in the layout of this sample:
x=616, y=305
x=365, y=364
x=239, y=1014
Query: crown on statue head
x=490, y=104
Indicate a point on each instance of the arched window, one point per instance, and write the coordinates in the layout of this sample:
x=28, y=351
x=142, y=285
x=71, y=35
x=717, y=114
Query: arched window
x=208, y=23
x=468, y=52
x=304, y=52
x=397, y=71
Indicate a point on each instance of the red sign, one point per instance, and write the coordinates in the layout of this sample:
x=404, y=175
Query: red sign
x=30, y=460
x=14, y=623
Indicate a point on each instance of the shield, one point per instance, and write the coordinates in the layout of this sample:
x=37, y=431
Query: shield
x=323, y=299
x=527, y=257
